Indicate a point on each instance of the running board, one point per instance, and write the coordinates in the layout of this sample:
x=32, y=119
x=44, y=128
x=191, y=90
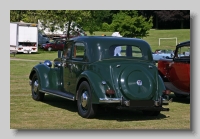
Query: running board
x=65, y=95
x=174, y=89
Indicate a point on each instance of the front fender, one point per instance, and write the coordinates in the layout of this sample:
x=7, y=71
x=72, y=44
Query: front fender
x=95, y=82
x=49, y=78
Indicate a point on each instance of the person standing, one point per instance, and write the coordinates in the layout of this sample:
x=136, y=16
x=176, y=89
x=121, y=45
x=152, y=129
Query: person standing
x=117, y=51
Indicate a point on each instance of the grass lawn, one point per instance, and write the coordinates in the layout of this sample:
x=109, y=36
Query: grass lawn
x=154, y=35
x=152, y=39
x=59, y=113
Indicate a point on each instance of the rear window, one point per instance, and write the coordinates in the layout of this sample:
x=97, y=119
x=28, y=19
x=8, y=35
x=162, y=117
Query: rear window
x=125, y=51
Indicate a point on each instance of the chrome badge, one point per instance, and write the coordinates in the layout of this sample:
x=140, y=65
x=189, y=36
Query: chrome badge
x=139, y=82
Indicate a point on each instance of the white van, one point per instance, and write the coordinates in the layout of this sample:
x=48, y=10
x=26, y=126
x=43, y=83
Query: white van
x=23, y=37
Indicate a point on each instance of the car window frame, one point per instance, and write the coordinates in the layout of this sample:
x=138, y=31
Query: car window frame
x=84, y=59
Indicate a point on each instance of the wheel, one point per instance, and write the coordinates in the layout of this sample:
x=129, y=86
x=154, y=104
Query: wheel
x=85, y=107
x=36, y=95
x=49, y=49
x=151, y=113
x=180, y=95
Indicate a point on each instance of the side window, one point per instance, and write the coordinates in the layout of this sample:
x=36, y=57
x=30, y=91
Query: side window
x=184, y=52
x=126, y=51
x=78, y=51
x=67, y=49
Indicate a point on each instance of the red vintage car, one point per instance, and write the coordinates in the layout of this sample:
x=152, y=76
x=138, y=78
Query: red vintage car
x=175, y=71
x=57, y=44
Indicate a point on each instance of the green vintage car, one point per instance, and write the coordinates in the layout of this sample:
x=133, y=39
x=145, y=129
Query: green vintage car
x=102, y=70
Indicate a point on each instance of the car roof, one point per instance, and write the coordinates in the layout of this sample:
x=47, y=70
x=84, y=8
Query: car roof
x=185, y=43
x=108, y=40
x=96, y=45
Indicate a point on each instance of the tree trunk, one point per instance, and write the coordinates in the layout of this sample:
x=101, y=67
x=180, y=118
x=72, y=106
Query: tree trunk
x=68, y=29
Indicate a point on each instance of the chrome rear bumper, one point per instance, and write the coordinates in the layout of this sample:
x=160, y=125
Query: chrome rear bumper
x=163, y=101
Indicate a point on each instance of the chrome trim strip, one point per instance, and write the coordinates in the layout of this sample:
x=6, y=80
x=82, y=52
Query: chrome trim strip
x=110, y=100
x=56, y=95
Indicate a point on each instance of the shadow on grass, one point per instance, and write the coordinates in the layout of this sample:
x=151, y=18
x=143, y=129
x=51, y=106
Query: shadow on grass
x=125, y=115
x=180, y=100
x=104, y=113
x=60, y=103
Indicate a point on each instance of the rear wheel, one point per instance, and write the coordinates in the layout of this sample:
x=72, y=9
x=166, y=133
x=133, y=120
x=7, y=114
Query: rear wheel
x=36, y=95
x=84, y=101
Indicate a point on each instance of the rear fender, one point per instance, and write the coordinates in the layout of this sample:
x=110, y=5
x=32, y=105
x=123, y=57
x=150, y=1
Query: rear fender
x=161, y=85
x=95, y=82
x=163, y=67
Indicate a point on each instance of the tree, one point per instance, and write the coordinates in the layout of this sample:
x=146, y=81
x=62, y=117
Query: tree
x=56, y=19
x=176, y=16
x=90, y=20
x=129, y=24
x=30, y=16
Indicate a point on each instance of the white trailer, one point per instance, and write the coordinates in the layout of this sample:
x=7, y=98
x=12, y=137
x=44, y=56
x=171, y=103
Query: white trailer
x=24, y=36
x=13, y=38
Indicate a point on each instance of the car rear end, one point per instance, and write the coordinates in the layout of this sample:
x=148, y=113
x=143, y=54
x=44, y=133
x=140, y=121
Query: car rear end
x=135, y=85
x=27, y=47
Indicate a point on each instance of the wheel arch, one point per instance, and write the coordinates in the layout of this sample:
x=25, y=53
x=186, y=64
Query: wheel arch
x=96, y=87
x=41, y=70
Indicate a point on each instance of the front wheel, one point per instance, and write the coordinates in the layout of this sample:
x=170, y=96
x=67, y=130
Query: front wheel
x=84, y=101
x=36, y=95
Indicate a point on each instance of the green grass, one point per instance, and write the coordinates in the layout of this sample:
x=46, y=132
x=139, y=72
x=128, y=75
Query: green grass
x=58, y=113
x=152, y=39
x=154, y=35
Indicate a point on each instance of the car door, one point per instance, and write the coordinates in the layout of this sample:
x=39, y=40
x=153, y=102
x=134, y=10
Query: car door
x=179, y=71
x=74, y=65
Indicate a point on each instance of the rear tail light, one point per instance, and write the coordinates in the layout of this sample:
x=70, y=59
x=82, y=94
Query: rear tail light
x=110, y=92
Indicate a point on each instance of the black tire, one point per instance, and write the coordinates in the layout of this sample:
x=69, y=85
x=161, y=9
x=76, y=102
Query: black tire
x=180, y=95
x=85, y=107
x=151, y=113
x=36, y=95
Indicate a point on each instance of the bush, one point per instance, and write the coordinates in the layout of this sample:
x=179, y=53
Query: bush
x=105, y=27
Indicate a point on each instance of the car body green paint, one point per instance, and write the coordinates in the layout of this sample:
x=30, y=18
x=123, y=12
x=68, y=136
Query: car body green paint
x=131, y=78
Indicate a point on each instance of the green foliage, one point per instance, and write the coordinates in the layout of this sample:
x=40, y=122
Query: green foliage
x=105, y=27
x=130, y=23
x=136, y=26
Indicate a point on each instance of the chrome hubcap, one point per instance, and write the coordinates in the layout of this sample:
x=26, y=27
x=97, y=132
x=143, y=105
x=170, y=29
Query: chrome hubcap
x=84, y=99
x=35, y=86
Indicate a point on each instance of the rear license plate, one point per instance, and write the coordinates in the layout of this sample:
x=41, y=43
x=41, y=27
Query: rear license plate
x=141, y=103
